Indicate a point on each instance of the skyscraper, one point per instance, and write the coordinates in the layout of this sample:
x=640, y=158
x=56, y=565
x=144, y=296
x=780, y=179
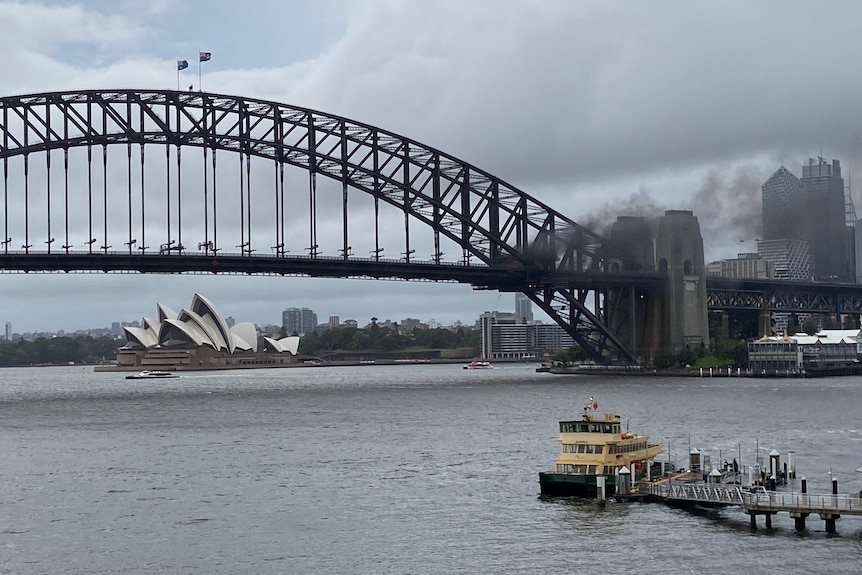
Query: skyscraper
x=805, y=233
x=783, y=207
x=824, y=206
x=524, y=307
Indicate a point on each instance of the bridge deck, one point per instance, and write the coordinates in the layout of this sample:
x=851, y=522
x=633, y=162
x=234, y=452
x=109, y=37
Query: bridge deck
x=794, y=503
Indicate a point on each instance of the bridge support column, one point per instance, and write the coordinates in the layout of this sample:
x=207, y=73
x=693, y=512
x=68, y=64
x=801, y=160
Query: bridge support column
x=830, y=523
x=769, y=520
x=752, y=517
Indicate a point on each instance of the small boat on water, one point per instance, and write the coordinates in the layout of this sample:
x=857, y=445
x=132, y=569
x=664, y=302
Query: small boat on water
x=479, y=364
x=148, y=374
x=595, y=446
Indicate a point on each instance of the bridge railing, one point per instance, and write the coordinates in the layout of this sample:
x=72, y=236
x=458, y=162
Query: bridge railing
x=772, y=499
x=704, y=492
x=736, y=495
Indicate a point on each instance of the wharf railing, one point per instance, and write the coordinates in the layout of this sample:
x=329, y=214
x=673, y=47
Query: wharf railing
x=763, y=501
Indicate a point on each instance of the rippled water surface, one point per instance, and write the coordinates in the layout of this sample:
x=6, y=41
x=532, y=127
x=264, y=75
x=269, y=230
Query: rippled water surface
x=401, y=469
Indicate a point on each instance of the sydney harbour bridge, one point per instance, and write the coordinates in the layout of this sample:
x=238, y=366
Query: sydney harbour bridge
x=163, y=181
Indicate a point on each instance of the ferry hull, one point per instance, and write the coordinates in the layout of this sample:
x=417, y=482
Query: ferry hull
x=565, y=485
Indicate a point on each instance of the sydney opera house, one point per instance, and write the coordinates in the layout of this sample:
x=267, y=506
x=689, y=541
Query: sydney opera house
x=200, y=338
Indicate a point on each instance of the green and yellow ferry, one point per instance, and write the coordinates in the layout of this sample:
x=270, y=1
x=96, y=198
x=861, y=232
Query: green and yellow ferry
x=593, y=446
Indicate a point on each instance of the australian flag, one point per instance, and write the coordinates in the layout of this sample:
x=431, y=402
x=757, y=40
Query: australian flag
x=182, y=64
x=205, y=56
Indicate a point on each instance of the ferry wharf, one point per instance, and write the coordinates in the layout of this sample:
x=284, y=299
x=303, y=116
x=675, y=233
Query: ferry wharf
x=754, y=502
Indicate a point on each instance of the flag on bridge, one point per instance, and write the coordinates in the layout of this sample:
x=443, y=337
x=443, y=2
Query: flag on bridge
x=182, y=65
x=205, y=56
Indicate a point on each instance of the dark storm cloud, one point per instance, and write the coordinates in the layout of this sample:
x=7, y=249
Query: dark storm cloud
x=597, y=107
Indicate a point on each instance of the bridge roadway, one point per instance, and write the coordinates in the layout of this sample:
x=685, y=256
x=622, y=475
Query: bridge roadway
x=503, y=278
x=722, y=293
x=799, y=505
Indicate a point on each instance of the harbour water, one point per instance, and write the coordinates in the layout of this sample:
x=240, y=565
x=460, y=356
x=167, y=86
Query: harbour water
x=396, y=469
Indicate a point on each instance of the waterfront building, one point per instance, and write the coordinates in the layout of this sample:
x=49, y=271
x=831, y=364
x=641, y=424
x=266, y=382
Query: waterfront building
x=549, y=337
x=508, y=336
x=783, y=355
x=199, y=338
x=298, y=321
x=503, y=336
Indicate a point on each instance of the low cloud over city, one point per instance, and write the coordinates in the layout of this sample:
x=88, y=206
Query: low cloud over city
x=596, y=108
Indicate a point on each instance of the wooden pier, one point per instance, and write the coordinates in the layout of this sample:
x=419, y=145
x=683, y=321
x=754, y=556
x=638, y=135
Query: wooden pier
x=799, y=505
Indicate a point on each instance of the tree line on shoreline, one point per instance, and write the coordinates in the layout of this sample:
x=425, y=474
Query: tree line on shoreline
x=59, y=351
x=377, y=338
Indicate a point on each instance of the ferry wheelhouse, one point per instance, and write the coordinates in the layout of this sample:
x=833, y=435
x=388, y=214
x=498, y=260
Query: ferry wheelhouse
x=594, y=446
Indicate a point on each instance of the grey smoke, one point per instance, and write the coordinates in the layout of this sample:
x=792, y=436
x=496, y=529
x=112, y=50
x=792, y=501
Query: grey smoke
x=727, y=206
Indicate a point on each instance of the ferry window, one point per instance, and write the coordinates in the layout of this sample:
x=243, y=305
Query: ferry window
x=582, y=427
x=594, y=427
x=581, y=447
x=599, y=448
x=592, y=470
x=589, y=448
x=606, y=428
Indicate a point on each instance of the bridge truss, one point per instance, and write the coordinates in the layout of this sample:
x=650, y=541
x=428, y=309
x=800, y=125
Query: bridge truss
x=84, y=171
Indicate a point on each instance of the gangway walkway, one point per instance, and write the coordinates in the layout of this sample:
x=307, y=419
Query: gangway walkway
x=799, y=505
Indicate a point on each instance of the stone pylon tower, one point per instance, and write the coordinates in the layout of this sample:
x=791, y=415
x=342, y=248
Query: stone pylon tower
x=635, y=314
x=679, y=252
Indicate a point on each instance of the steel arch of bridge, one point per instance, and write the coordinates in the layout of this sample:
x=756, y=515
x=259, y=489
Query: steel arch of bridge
x=508, y=240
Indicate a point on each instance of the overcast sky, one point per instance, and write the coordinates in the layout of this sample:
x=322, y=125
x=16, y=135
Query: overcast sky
x=598, y=108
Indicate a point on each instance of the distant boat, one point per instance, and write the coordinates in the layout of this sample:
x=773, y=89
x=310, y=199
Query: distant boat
x=147, y=374
x=859, y=470
x=479, y=364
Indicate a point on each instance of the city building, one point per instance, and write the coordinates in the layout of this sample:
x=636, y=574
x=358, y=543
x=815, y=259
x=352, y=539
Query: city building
x=789, y=258
x=783, y=207
x=409, y=324
x=748, y=265
x=508, y=336
x=298, y=321
x=815, y=209
x=825, y=216
x=549, y=337
x=524, y=307
x=503, y=336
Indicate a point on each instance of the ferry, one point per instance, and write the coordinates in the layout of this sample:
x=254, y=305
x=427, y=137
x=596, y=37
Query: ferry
x=593, y=446
x=479, y=364
x=146, y=374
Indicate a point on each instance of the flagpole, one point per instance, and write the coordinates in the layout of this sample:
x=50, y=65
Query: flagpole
x=178, y=77
x=200, y=88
